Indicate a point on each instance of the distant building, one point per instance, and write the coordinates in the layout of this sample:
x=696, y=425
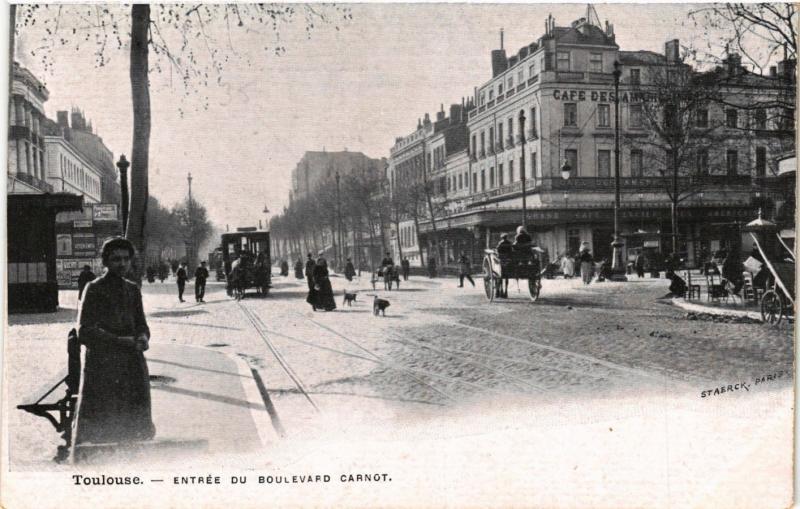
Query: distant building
x=314, y=168
x=26, y=148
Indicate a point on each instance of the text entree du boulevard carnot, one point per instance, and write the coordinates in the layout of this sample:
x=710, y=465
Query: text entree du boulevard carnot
x=210, y=479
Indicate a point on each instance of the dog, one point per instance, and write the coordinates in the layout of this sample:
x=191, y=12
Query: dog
x=379, y=306
x=349, y=298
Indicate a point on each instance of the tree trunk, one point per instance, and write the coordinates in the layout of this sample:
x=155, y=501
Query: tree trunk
x=674, y=211
x=140, y=152
x=419, y=240
x=397, y=230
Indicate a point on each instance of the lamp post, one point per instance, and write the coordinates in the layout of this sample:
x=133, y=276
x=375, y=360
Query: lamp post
x=192, y=246
x=565, y=173
x=641, y=210
x=338, y=218
x=522, y=170
x=617, y=267
x=123, y=165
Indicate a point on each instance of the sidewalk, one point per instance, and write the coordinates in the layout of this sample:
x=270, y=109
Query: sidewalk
x=204, y=402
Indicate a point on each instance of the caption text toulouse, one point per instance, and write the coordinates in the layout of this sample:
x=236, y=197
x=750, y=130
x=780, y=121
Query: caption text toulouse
x=111, y=480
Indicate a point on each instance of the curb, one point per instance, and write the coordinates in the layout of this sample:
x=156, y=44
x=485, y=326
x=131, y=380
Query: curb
x=699, y=308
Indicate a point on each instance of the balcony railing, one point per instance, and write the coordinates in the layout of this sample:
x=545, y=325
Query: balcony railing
x=500, y=145
x=35, y=182
x=533, y=134
x=510, y=141
x=510, y=92
x=607, y=183
x=569, y=76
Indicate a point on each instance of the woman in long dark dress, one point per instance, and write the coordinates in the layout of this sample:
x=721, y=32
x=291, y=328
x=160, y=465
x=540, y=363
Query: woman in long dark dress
x=323, y=292
x=115, y=396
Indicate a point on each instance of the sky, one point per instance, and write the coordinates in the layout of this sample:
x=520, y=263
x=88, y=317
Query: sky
x=355, y=88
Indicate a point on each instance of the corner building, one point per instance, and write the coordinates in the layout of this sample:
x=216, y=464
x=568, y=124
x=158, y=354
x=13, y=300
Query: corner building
x=564, y=85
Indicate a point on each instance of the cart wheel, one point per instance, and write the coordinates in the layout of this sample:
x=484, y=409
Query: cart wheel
x=489, y=281
x=535, y=288
x=771, y=308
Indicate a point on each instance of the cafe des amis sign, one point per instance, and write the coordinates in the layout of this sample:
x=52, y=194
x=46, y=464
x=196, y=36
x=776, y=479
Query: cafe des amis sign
x=601, y=96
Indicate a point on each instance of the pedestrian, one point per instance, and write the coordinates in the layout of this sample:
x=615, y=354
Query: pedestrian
x=284, y=268
x=567, y=266
x=464, y=270
x=115, y=394
x=587, y=263
x=84, y=278
x=321, y=295
x=522, y=238
x=732, y=272
x=310, y=264
x=349, y=270
x=181, y=276
x=432, y=266
x=200, y=277
x=639, y=264
x=406, y=265
x=298, y=269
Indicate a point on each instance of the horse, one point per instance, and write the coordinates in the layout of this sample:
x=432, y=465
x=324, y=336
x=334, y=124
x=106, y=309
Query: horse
x=237, y=281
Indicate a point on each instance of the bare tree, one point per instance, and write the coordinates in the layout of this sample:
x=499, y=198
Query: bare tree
x=156, y=29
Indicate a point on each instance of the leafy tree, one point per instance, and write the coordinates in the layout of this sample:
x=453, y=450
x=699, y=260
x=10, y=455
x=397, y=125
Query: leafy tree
x=194, y=226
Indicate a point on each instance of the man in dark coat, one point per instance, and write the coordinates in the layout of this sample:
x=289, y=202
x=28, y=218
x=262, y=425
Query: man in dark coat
x=464, y=270
x=310, y=264
x=298, y=269
x=406, y=265
x=84, y=278
x=200, y=277
x=349, y=270
x=115, y=394
x=320, y=296
x=181, y=275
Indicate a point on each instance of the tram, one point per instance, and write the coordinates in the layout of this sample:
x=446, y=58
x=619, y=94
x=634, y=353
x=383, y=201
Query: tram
x=246, y=261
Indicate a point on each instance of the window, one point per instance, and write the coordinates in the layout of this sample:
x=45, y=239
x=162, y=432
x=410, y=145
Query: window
x=733, y=162
x=636, y=163
x=520, y=76
x=510, y=82
x=702, y=118
x=500, y=88
x=571, y=158
x=603, y=163
x=603, y=114
x=483, y=144
x=636, y=115
x=636, y=78
x=511, y=129
x=491, y=95
x=532, y=70
x=483, y=98
x=491, y=177
x=596, y=62
x=475, y=182
x=702, y=161
x=761, y=118
x=500, y=135
x=534, y=129
x=761, y=161
x=731, y=118
x=483, y=180
x=534, y=166
x=474, y=145
x=570, y=115
x=562, y=61
x=500, y=181
x=511, y=171
x=460, y=181
x=491, y=139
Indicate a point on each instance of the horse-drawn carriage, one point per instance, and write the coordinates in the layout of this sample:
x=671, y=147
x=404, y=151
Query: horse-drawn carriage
x=389, y=274
x=521, y=262
x=247, y=261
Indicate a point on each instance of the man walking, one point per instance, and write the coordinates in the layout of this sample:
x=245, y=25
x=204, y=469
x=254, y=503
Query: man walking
x=200, y=276
x=464, y=270
x=406, y=265
x=181, y=275
x=310, y=264
x=84, y=278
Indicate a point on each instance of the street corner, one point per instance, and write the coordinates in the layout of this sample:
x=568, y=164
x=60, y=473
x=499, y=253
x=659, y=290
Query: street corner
x=203, y=395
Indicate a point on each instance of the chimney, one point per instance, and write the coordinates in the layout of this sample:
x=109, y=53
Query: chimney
x=78, y=122
x=786, y=69
x=499, y=61
x=63, y=119
x=427, y=120
x=455, y=113
x=440, y=113
x=773, y=72
x=733, y=63
x=672, y=51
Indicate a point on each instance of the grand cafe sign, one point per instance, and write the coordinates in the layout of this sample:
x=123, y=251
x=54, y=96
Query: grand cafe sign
x=600, y=96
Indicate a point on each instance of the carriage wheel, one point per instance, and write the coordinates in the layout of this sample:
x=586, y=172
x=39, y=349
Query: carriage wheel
x=771, y=308
x=535, y=288
x=489, y=281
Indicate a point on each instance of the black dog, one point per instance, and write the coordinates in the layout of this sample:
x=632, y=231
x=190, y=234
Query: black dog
x=379, y=306
x=349, y=298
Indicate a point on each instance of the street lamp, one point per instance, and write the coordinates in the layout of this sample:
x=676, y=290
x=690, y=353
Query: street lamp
x=266, y=217
x=566, y=169
x=123, y=165
x=522, y=169
x=641, y=210
x=338, y=218
x=617, y=267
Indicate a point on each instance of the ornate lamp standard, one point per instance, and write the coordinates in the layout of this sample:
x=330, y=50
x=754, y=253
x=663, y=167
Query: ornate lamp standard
x=565, y=173
x=123, y=165
x=523, y=171
x=617, y=267
x=339, y=221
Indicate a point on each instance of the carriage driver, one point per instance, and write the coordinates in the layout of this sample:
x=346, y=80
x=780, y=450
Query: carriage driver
x=386, y=262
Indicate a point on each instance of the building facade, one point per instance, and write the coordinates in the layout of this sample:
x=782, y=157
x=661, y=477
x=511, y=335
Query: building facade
x=27, y=167
x=552, y=105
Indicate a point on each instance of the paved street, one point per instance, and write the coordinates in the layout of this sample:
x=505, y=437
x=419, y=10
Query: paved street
x=445, y=366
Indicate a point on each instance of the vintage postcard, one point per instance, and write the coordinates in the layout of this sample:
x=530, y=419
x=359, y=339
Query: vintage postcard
x=399, y=255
